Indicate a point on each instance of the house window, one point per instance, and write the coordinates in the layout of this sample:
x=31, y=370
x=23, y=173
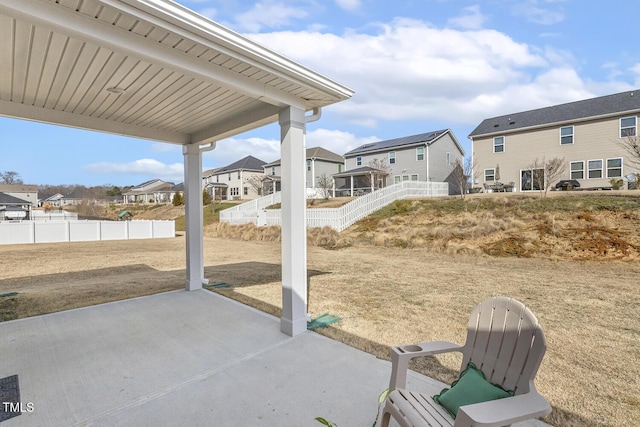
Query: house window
x=229, y=176
x=489, y=174
x=414, y=177
x=448, y=158
x=405, y=177
x=577, y=170
x=627, y=127
x=595, y=168
x=359, y=161
x=246, y=191
x=273, y=170
x=614, y=167
x=217, y=178
x=397, y=179
x=339, y=168
x=392, y=157
x=498, y=144
x=235, y=191
x=532, y=179
x=419, y=153
x=239, y=174
x=566, y=135
x=308, y=165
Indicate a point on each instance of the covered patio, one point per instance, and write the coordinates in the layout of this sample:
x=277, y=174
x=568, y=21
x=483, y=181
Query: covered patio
x=187, y=359
x=156, y=70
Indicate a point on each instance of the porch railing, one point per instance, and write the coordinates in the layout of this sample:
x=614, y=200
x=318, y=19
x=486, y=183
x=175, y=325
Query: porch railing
x=336, y=218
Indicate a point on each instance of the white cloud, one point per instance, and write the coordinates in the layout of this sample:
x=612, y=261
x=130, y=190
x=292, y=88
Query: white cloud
x=270, y=14
x=410, y=70
x=147, y=167
x=230, y=150
x=349, y=4
x=534, y=12
x=337, y=141
x=471, y=19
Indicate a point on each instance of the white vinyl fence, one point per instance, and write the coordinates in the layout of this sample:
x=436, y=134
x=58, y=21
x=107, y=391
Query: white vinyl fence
x=82, y=231
x=336, y=218
x=39, y=215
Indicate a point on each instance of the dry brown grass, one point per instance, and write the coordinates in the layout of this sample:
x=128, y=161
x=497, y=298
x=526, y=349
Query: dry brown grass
x=577, y=271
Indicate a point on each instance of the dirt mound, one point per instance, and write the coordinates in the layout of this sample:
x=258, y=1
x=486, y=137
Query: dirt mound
x=574, y=228
x=166, y=212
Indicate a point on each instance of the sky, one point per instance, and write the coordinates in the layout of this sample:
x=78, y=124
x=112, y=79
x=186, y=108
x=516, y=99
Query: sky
x=415, y=65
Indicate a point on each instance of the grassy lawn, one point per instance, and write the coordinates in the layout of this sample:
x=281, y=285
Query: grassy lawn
x=409, y=273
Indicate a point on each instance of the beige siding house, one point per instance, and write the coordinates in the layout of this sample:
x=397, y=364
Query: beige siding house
x=236, y=181
x=588, y=135
x=429, y=156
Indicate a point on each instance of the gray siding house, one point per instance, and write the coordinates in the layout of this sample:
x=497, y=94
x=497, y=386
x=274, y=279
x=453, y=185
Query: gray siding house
x=588, y=134
x=319, y=162
x=21, y=191
x=429, y=156
x=14, y=208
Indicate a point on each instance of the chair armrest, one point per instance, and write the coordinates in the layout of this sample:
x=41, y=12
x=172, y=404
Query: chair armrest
x=400, y=357
x=501, y=412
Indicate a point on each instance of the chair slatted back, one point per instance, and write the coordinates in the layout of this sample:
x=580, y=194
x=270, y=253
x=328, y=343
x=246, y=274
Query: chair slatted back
x=505, y=341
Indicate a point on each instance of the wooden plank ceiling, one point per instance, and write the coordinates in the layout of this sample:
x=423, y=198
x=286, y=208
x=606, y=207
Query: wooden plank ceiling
x=124, y=67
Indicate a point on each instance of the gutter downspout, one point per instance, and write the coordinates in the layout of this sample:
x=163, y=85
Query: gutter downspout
x=316, y=113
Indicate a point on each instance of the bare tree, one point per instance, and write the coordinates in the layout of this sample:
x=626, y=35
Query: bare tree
x=545, y=173
x=553, y=171
x=459, y=179
x=382, y=170
x=632, y=146
x=255, y=182
x=10, y=177
x=325, y=185
x=464, y=175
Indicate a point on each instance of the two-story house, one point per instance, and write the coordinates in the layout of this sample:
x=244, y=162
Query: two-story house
x=319, y=163
x=25, y=192
x=588, y=134
x=430, y=156
x=241, y=180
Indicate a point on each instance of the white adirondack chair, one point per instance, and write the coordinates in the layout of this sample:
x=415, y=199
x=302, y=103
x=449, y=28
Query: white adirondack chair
x=505, y=341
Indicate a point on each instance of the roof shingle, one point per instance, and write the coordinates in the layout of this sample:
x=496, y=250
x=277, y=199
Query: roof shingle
x=601, y=106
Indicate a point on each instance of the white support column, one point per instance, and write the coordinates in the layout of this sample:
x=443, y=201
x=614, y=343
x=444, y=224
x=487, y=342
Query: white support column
x=294, y=223
x=193, y=215
x=351, y=185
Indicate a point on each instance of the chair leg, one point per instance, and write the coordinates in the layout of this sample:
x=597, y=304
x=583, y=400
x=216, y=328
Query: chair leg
x=384, y=419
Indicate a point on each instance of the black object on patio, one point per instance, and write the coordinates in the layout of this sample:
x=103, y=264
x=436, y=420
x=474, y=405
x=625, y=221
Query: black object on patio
x=567, y=184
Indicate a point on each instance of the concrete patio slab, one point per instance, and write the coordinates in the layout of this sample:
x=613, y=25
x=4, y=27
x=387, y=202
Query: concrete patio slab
x=186, y=358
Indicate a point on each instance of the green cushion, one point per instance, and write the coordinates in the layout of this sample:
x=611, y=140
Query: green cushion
x=470, y=388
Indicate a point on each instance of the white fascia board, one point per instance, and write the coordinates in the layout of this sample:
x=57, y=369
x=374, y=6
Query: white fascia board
x=233, y=44
x=63, y=118
x=83, y=28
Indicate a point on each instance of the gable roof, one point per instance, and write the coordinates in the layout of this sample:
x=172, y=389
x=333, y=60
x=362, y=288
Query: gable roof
x=603, y=106
x=6, y=199
x=19, y=188
x=422, y=138
x=314, y=153
x=209, y=172
x=247, y=163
